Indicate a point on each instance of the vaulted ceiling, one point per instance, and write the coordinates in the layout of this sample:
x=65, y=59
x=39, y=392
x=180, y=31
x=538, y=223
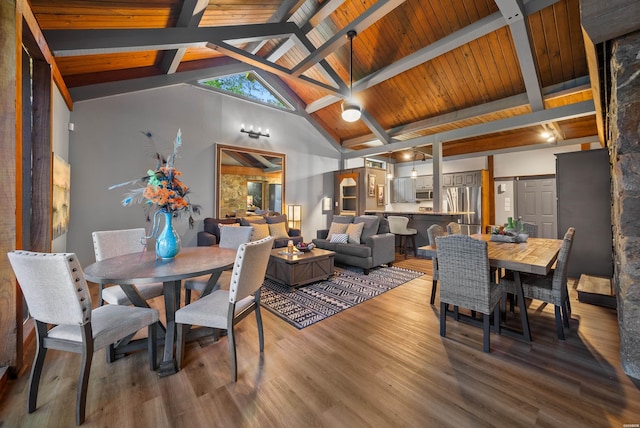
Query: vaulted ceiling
x=478, y=76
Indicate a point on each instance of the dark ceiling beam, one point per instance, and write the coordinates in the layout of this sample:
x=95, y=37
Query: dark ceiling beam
x=88, y=92
x=92, y=42
x=607, y=20
x=284, y=12
x=361, y=23
x=190, y=16
x=263, y=64
x=572, y=111
x=375, y=127
x=514, y=15
x=454, y=40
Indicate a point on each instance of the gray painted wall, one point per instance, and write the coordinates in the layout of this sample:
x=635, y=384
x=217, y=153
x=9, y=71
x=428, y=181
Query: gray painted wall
x=107, y=148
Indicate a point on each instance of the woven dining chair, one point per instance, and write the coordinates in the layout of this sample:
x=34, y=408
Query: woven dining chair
x=59, y=301
x=550, y=288
x=530, y=229
x=230, y=237
x=465, y=281
x=113, y=243
x=223, y=309
x=454, y=228
x=433, y=232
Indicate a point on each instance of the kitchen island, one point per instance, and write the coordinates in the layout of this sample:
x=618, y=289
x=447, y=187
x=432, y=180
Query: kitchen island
x=421, y=220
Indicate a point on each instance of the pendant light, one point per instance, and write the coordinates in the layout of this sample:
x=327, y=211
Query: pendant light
x=350, y=109
x=414, y=173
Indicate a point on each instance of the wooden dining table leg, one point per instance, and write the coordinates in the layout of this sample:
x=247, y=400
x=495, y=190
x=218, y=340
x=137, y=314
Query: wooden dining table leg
x=524, y=317
x=171, y=294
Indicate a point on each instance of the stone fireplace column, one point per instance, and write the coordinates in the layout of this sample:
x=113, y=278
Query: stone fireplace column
x=624, y=144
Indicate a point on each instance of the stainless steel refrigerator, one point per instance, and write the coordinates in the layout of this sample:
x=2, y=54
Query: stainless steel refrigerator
x=466, y=199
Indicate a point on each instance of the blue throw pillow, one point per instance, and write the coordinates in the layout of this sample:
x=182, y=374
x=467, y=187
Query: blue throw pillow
x=339, y=238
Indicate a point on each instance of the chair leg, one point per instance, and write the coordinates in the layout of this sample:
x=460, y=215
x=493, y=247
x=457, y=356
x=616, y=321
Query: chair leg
x=187, y=296
x=559, y=327
x=443, y=319
x=413, y=243
x=565, y=314
x=259, y=321
x=496, y=318
x=85, y=369
x=232, y=342
x=152, y=345
x=180, y=339
x=36, y=370
x=404, y=239
x=456, y=313
x=434, y=288
x=486, y=327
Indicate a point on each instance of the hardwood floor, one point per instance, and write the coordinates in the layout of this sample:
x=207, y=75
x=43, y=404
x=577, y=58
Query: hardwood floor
x=379, y=364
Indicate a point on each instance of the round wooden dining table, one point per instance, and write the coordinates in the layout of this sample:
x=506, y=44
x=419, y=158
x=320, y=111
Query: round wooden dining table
x=139, y=268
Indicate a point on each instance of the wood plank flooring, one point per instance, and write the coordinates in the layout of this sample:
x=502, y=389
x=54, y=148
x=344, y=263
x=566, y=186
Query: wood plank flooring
x=379, y=364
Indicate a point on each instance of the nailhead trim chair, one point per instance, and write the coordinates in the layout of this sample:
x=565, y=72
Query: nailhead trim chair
x=223, y=309
x=56, y=293
x=230, y=237
x=112, y=243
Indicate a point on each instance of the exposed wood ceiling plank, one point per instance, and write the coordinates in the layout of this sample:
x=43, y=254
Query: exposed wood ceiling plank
x=190, y=16
x=584, y=108
x=92, y=42
x=513, y=13
x=361, y=23
x=448, y=43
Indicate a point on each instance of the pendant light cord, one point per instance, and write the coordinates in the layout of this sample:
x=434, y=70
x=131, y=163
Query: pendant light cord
x=351, y=34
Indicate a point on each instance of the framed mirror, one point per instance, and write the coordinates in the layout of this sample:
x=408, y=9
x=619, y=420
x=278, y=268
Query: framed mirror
x=248, y=181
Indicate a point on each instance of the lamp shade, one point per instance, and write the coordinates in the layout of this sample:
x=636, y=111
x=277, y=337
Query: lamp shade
x=350, y=111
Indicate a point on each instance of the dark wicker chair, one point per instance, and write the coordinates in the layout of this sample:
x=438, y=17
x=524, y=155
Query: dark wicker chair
x=433, y=232
x=465, y=280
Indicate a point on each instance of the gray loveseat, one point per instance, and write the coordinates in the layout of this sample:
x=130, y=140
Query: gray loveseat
x=376, y=246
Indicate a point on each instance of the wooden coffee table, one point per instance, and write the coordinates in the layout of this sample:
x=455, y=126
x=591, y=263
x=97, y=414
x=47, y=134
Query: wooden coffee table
x=300, y=269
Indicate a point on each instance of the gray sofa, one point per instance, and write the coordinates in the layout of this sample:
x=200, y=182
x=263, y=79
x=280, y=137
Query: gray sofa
x=211, y=233
x=376, y=247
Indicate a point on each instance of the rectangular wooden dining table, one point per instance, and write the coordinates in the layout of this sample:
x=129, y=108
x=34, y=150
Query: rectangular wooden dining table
x=536, y=255
x=139, y=268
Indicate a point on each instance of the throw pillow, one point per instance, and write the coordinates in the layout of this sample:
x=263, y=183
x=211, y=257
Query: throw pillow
x=250, y=221
x=230, y=225
x=273, y=219
x=354, y=230
x=260, y=231
x=339, y=238
x=278, y=230
x=336, y=228
x=371, y=223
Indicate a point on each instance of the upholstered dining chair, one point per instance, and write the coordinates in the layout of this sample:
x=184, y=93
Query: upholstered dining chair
x=223, y=309
x=454, y=228
x=465, y=280
x=230, y=237
x=530, y=229
x=433, y=232
x=398, y=226
x=551, y=288
x=57, y=295
x=113, y=243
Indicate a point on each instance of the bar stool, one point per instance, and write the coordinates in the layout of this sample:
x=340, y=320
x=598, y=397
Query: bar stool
x=398, y=226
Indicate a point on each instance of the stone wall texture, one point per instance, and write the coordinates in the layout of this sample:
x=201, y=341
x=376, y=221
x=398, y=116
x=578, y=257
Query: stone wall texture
x=625, y=163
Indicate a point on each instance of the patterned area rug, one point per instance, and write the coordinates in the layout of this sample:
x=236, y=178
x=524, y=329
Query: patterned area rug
x=309, y=304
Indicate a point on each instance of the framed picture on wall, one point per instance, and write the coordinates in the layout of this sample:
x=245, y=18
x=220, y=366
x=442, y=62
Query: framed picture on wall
x=61, y=196
x=372, y=185
x=380, y=195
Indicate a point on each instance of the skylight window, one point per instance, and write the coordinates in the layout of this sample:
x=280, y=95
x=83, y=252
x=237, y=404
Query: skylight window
x=248, y=85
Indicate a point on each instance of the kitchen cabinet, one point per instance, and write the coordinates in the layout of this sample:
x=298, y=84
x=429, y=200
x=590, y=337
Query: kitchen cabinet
x=404, y=189
x=424, y=182
x=461, y=179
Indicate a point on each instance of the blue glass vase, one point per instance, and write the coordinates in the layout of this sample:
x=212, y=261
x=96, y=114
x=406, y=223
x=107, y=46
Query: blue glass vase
x=168, y=241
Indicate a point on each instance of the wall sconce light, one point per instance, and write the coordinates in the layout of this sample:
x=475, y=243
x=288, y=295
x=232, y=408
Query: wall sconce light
x=294, y=216
x=254, y=134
